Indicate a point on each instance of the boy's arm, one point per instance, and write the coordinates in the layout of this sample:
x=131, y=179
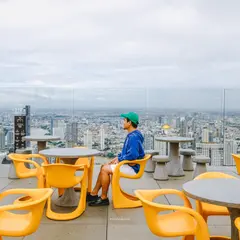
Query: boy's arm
x=132, y=150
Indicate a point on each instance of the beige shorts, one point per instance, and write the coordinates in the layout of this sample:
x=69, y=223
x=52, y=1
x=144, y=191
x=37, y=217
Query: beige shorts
x=126, y=169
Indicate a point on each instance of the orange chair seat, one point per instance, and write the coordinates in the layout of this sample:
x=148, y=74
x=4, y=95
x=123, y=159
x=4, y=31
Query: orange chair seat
x=13, y=223
x=177, y=224
x=212, y=209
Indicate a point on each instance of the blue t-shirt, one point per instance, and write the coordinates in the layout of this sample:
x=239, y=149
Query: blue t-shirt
x=133, y=148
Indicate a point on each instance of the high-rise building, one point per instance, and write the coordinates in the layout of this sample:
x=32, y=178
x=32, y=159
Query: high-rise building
x=183, y=127
x=28, y=123
x=148, y=141
x=88, y=139
x=71, y=135
x=205, y=135
x=102, y=138
x=162, y=147
x=59, y=128
x=212, y=150
x=230, y=147
x=10, y=139
x=2, y=138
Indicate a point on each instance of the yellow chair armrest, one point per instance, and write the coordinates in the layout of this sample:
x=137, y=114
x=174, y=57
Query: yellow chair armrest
x=152, y=194
x=29, y=161
x=44, y=159
x=30, y=192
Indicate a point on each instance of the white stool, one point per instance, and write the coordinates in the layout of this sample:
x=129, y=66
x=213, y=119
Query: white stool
x=187, y=159
x=150, y=166
x=201, y=165
x=160, y=172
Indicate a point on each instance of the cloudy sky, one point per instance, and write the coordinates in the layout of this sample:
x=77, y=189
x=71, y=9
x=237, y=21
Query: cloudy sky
x=112, y=51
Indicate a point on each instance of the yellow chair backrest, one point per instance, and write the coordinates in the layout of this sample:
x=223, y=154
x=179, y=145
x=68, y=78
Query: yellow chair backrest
x=237, y=162
x=62, y=175
x=141, y=162
x=213, y=175
x=82, y=160
x=152, y=209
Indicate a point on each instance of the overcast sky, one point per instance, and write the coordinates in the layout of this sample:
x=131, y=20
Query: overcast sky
x=102, y=48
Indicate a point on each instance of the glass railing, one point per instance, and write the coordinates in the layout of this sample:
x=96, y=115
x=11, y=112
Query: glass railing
x=91, y=117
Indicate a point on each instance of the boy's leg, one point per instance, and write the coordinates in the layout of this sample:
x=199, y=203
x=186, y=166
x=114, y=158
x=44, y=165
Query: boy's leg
x=105, y=173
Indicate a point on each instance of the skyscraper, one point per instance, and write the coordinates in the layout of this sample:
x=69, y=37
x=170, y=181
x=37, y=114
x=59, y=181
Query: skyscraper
x=102, y=138
x=205, y=135
x=2, y=138
x=71, y=135
x=88, y=139
x=10, y=139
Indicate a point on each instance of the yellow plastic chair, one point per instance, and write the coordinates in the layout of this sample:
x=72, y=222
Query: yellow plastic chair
x=82, y=161
x=237, y=162
x=206, y=209
x=120, y=198
x=237, y=224
x=63, y=176
x=22, y=171
x=183, y=222
x=20, y=225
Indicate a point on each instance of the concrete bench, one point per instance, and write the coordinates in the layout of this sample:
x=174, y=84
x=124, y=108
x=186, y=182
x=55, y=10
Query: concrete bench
x=150, y=166
x=201, y=167
x=187, y=159
x=160, y=172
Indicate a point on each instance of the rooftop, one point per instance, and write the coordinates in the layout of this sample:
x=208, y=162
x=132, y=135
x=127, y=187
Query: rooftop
x=106, y=223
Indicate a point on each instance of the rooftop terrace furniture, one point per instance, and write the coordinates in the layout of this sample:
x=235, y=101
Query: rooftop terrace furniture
x=201, y=167
x=19, y=161
x=29, y=215
x=160, y=172
x=237, y=162
x=206, y=209
x=54, y=178
x=120, y=198
x=182, y=222
x=150, y=166
x=187, y=164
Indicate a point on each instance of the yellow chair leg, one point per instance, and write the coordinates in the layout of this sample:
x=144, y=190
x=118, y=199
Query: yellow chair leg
x=60, y=191
x=90, y=174
x=120, y=198
x=76, y=213
x=41, y=181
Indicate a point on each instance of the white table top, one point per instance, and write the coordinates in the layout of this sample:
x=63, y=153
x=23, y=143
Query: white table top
x=218, y=191
x=41, y=138
x=69, y=152
x=174, y=139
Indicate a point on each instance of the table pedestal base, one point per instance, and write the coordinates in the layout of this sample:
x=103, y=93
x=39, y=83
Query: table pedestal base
x=68, y=199
x=174, y=166
x=234, y=213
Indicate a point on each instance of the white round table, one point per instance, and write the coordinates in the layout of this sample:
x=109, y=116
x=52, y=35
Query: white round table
x=41, y=140
x=69, y=156
x=174, y=166
x=218, y=191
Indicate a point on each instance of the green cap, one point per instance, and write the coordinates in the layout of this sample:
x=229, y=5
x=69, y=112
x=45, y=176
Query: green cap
x=132, y=116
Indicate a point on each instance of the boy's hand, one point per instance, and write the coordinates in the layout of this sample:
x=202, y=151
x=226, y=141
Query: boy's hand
x=114, y=161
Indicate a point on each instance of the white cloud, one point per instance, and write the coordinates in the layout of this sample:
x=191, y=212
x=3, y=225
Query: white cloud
x=119, y=44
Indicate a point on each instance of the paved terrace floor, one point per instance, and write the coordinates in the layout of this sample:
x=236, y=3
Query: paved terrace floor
x=106, y=223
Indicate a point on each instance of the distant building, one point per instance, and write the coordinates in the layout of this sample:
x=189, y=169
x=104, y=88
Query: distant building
x=205, y=135
x=148, y=141
x=10, y=139
x=88, y=139
x=2, y=138
x=102, y=138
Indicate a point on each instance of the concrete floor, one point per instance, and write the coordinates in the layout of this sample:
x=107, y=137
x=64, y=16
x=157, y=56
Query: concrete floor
x=106, y=223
